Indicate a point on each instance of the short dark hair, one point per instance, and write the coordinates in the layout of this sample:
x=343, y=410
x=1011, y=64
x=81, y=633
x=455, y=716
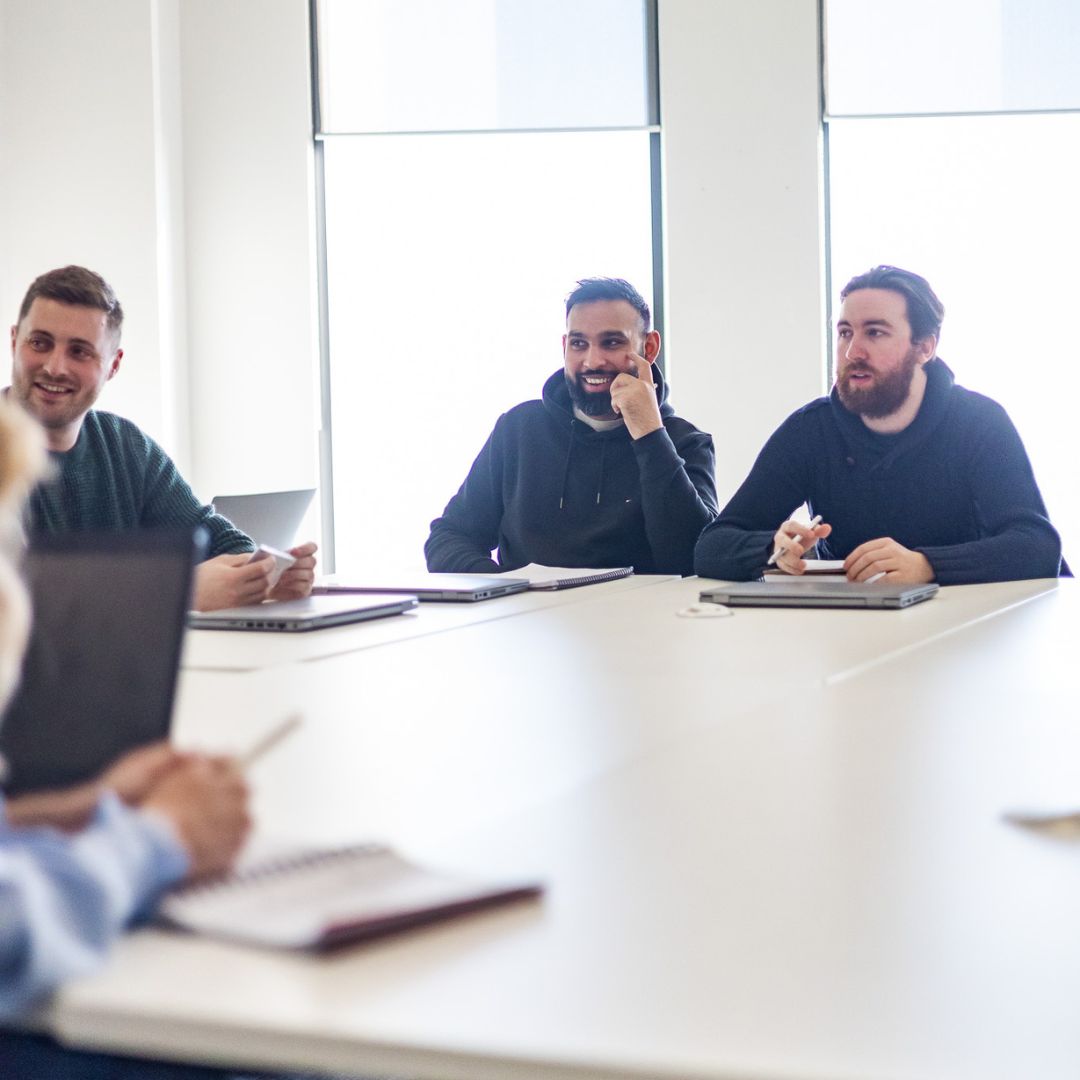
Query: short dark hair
x=925, y=311
x=78, y=286
x=609, y=288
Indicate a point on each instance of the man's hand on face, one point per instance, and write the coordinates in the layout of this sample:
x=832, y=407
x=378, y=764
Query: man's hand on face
x=206, y=801
x=231, y=581
x=793, y=540
x=296, y=582
x=886, y=557
x=633, y=397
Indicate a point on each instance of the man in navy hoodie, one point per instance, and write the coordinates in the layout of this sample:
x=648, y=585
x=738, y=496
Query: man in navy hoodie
x=600, y=473
x=912, y=478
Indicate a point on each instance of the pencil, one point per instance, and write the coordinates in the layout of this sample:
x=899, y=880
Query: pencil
x=268, y=741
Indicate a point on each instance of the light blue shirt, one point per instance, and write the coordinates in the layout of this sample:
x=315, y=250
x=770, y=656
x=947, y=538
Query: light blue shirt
x=64, y=898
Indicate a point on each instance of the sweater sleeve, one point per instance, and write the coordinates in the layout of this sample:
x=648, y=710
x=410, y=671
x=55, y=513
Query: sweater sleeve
x=461, y=541
x=169, y=501
x=1017, y=540
x=678, y=495
x=64, y=899
x=736, y=546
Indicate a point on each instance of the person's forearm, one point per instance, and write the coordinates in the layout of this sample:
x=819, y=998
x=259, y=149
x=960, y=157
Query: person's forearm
x=731, y=553
x=1029, y=551
x=678, y=499
x=736, y=546
x=67, y=809
x=65, y=898
x=448, y=550
x=461, y=540
x=170, y=502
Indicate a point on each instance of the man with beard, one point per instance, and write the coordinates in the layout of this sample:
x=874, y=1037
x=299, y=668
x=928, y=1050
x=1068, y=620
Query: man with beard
x=912, y=478
x=600, y=473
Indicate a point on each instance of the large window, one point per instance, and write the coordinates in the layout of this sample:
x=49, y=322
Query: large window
x=983, y=204
x=478, y=158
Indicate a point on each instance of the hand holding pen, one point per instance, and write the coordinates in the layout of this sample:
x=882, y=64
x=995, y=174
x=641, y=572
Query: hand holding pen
x=792, y=540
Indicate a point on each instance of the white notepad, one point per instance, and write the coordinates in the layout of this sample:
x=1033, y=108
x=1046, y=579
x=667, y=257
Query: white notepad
x=829, y=569
x=315, y=899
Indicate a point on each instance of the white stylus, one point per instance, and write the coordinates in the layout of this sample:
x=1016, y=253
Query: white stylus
x=816, y=520
x=270, y=740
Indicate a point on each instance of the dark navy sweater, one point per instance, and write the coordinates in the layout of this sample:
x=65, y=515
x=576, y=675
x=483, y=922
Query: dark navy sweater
x=956, y=485
x=546, y=488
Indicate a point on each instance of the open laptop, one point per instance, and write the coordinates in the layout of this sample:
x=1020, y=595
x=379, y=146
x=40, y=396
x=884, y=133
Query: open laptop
x=465, y=588
x=835, y=594
x=270, y=517
x=100, y=671
x=294, y=616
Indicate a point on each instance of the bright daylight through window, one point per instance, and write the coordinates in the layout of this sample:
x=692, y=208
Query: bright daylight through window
x=478, y=160
x=984, y=206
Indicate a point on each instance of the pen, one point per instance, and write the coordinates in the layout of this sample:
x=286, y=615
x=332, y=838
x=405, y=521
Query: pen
x=270, y=740
x=816, y=520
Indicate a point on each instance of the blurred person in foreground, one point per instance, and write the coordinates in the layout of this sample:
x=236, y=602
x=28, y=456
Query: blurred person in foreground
x=78, y=866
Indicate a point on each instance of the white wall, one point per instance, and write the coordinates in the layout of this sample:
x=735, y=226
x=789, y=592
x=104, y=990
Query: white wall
x=248, y=186
x=80, y=176
x=167, y=144
x=742, y=178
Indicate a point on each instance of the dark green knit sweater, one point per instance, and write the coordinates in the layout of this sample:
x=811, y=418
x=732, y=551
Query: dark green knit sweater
x=115, y=478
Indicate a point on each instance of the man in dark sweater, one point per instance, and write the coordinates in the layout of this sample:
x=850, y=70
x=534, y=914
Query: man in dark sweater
x=600, y=473
x=914, y=478
x=109, y=475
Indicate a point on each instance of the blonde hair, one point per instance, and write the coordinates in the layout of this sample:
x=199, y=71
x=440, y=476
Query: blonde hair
x=14, y=629
x=22, y=462
x=22, y=456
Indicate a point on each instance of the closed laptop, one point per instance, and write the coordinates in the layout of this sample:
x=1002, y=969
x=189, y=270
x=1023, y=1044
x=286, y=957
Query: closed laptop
x=461, y=588
x=834, y=594
x=296, y=616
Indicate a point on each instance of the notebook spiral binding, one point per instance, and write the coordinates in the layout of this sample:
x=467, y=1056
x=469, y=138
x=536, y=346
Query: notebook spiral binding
x=275, y=867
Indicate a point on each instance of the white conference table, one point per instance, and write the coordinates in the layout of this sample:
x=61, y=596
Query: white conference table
x=228, y=650
x=773, y=845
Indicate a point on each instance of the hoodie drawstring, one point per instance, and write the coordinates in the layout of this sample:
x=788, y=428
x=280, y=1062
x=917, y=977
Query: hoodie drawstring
x=566, y=467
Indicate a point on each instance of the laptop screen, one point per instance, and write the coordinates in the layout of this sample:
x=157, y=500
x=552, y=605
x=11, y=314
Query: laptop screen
x=100, y=671
x=271, y=517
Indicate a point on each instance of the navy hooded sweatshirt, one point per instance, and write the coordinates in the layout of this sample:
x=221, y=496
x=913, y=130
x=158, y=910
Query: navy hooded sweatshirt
x=546, y=488
x=955, y=484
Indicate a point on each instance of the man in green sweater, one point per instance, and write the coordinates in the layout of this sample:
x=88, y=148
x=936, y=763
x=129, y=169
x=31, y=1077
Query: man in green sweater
x=109, y=475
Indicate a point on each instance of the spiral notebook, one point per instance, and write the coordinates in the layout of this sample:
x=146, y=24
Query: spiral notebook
x=567, y=577
x=316, y=899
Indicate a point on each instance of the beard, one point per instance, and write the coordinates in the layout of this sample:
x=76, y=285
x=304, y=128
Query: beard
x=888, y=392
x=591, y=402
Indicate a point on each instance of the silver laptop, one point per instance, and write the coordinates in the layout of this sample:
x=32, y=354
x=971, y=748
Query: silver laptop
x=835, y=594
x=100, y=672
x=466, y=588
x=293, y=616
x=270, y=517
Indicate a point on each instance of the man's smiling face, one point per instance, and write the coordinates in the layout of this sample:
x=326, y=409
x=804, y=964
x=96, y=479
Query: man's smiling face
x=62, y=356
x=601, y=337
